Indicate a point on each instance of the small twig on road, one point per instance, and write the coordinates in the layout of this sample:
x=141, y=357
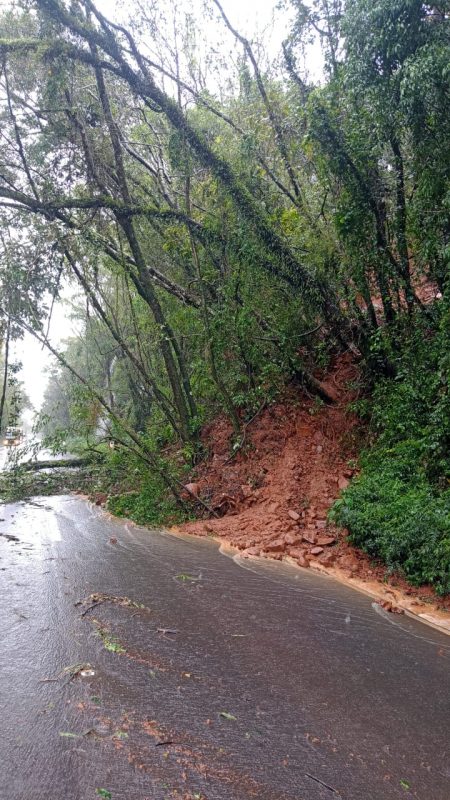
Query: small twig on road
x=89, y=608
x=322, y=783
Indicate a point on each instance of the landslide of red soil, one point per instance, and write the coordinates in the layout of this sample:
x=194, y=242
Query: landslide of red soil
x=274, y=495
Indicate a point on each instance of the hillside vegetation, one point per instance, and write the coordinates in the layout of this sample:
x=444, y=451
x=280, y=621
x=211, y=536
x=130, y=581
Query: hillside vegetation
x=225, y=227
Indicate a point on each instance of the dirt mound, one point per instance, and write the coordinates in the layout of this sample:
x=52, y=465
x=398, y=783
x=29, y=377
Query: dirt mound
x=273, y=496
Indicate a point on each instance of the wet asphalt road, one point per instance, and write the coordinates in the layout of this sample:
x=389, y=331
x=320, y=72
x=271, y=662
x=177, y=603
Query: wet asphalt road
x=235, y=681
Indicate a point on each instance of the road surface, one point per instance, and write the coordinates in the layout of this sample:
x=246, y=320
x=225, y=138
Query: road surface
x=136, y=665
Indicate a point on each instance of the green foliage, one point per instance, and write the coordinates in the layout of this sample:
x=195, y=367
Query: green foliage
x=151, y=505
x=399, y=507
x=20, y=484
x=394, y=513
x=110, y=642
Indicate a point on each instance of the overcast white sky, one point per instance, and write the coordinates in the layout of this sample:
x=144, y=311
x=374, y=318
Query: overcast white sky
x=250, y=17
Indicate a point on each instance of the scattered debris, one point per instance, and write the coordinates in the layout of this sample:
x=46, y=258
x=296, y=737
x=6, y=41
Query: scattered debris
x=84, y=670
x=110, y=642
x=390, y=607
x=96, y=598
x=226, y=715
x=120, y=735
x=95, y=699
x=322, y=783
x=10, y=537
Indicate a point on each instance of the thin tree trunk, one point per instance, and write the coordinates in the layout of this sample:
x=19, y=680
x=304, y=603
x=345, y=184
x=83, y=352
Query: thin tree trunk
x=402, y=244
x=228, y=402
x=167, y=338
x=5, y=374
x=152, y=388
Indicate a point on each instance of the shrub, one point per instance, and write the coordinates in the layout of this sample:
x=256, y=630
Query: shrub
x=400, y=520
x=398, y=509
x=152, y=504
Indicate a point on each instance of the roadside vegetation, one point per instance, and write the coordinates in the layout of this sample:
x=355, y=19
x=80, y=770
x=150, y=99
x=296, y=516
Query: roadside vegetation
x=399, y=507
x=225, y=226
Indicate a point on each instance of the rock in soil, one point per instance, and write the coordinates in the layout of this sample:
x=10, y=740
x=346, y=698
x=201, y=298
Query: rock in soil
x=323, y=541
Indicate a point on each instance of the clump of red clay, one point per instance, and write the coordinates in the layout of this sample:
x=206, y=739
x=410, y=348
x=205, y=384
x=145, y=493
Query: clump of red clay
x=273, y=496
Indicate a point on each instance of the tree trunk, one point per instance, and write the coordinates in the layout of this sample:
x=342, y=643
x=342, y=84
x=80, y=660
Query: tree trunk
x=167, y=340
x=5, y=374
x=402, y=244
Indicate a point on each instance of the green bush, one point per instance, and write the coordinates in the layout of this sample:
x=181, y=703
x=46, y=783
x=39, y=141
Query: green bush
x=400, y=520
x=398, y=509
x=152, y=504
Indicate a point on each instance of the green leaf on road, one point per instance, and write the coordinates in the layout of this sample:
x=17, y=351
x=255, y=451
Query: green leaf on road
x=226, y=715
x=120, y=735
x=103, y=793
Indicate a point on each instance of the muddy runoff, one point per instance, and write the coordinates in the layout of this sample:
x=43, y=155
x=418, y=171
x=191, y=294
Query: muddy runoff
x=136, y=665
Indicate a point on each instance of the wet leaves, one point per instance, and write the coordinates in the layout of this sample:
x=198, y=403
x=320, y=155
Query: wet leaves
x=96, y=700
x=96, y=598
x=227, y=715
x=110, y=642
x=187, y=578
x=73, y=670
x=120, y=735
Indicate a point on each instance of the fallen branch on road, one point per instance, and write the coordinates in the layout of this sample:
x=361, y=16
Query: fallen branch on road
x=65, y=463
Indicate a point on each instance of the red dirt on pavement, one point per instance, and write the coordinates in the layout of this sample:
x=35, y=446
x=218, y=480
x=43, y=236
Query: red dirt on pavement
x=274, y=494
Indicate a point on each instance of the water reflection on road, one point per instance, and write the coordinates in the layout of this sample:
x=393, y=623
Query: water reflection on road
x=148, y=666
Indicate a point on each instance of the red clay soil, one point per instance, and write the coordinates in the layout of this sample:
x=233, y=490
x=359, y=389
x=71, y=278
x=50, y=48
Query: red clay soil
x=274, y=495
